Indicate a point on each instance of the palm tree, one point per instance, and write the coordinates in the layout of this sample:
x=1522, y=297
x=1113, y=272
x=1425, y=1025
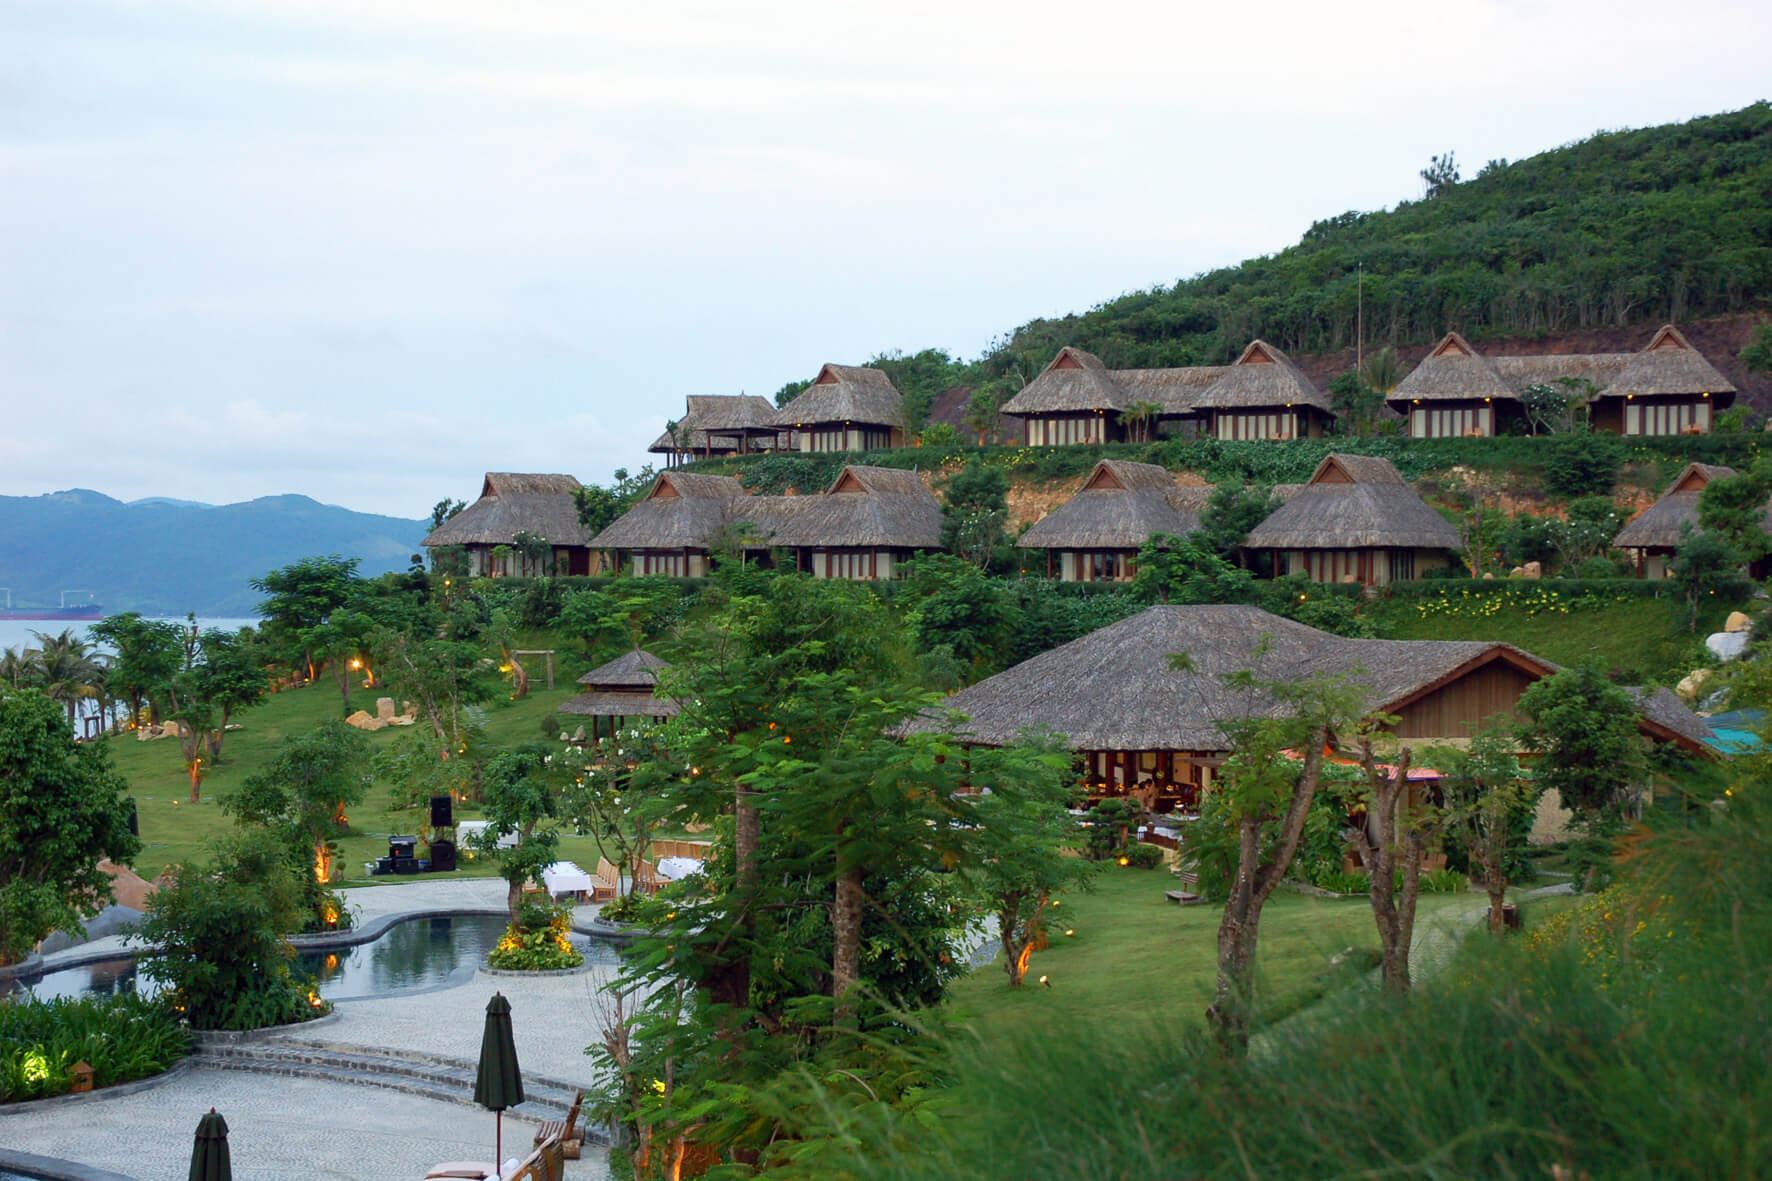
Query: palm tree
x=69, y=669
x=1137, y=419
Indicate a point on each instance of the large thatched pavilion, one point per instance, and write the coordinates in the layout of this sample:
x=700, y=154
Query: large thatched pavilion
x=1454, y=392
x=1094, y=536
x=846, y=408
x=513, y=503
x=863, y=527
x=626, y=687
x=1142, y=727
x=1666, y=389
x=1077, y=399
x=1654, y=534
x=1263, y=395
x=718, y=424
x=1356, y=520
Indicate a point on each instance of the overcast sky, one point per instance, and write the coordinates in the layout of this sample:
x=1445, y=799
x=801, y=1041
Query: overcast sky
x=367, y=250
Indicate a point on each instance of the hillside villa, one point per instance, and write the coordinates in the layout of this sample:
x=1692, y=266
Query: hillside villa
x=1653, y=535
x=517, y=502
x=718, y=425
x=1667, y=388
x=1095, y=535
x=1356, y=520
x=863, y=527
x=846, y=408
x=1143, y=728
x=1077, y=399
x=1263, y=395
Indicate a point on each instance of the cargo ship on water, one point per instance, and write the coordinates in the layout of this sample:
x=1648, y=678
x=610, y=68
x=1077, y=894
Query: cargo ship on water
x=75, y=612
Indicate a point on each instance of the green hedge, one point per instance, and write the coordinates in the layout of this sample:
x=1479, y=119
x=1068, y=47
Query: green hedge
x=1571, y=588
x=121, y=1037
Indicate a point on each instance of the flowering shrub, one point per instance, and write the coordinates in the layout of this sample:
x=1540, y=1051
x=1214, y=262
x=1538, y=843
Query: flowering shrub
x=537, y=946
x=1530, y=599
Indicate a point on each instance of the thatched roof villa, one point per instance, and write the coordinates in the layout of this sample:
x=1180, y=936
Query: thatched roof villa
x=1263, y=395
x=1654, y=534
x=718, y=424
x=1077, y=399
x=1094, y=536
x=1356, y=520
x=1666, y=389
x=626, y=687
x=862, y=527
x=519, y=502
x=846, y=408
x=1142, y=727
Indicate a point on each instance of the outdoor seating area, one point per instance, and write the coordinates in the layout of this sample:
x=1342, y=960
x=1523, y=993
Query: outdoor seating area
x=546, y=1162
x=566, y=878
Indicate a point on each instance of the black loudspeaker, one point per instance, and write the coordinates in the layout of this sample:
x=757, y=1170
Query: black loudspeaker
x=442, y=856
x=442, y=814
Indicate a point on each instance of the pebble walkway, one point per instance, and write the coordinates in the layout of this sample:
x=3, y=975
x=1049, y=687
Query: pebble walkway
x=290, y=1127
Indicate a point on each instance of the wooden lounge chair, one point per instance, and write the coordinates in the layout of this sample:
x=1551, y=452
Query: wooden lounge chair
x=646, y=879
x=564, y=1130
x=547, y=1162
x=606, y=882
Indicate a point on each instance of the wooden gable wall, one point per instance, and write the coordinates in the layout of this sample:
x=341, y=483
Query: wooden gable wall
x=1458, y=710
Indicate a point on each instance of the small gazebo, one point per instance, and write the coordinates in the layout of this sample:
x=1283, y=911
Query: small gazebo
x=626, y=687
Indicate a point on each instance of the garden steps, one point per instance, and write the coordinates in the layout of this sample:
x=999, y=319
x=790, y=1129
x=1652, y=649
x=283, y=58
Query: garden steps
x=430, y=1076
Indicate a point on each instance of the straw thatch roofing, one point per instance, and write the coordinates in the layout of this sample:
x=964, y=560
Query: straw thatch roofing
x=623, y=688
x=864, y=507
x=1262, y=376
x=1598, y=368
x=682, y=511
x=1663, y=524
x=514, y=502
x=844, y=393
x=1354, y=502
x=636, y=671
x=1077, y=382
x=719, y=422
x=1120, y=506
x=1115, y=689
x=1453, y=370
x=1668, y=364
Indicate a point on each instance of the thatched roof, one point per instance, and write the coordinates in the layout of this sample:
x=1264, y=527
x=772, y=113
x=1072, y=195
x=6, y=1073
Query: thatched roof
x=635, y=671
x=1662, y=708
x=1663, y=524
x=682, y=511
x=1077, y=382
x=1115, y=689
x=844, y=393
x=1354, y=502
x=1598, y=368
x=621, y=705
x=720, y=422
x=1453, y=370
x=864, y=507
x=1668, y=364
x=1262, y=376
x=1121, y=505
x=514, y=502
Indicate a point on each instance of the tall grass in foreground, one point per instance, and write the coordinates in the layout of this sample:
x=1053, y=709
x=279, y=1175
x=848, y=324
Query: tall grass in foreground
x=1629, y=1038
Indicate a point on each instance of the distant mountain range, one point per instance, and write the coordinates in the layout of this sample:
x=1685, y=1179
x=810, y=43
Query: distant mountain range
x=168, y=557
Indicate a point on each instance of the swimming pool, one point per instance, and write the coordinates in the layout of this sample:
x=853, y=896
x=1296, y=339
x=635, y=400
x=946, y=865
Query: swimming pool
x=411, y=956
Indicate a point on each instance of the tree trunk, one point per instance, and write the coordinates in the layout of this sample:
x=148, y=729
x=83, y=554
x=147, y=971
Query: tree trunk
x=846, y=938
x=1395, y=918
x=1230, y=1012
x=341, y=672
x=1018, y=939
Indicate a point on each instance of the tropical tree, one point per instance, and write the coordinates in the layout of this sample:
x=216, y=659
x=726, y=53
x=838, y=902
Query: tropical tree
x=535, y=551
x=302, y=793
x=522, y=799
x=1025, y=865
x=62, y=810
x=1483, y=792
x=67, y=670
x=975, y=508
x=1440, y=176
x=1138, y=419
x=1386, y=800
x=146, y=656
x=1734, y=509
x=1703, y=565
x=302, y=596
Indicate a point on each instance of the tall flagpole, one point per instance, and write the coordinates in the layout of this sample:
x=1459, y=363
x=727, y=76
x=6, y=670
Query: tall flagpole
x=1360, y=318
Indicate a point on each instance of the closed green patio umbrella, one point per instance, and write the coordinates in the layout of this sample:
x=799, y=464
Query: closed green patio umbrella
x=209, y=1158
x=499, y=1082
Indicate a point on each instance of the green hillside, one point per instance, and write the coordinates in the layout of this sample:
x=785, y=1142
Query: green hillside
x=1623, y=229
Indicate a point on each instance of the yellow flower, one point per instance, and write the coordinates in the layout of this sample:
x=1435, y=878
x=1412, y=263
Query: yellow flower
x=658, y=1085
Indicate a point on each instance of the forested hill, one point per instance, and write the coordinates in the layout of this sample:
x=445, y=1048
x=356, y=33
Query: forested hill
x=163, y=557
x=1625, y=230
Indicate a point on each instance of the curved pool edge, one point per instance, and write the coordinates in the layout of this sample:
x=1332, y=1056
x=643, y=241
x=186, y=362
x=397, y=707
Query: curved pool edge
x=377, y=927
x=55, y=1168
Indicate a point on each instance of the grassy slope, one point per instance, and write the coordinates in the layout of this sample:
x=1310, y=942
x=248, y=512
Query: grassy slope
x=1136, y=955
x=173, y=829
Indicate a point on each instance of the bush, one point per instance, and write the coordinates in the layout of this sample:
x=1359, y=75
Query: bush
x=1356, y=882
x=1582, y=464
x=1444, y=881
x=121, y=1037
x=538, y=941
x=1142, y=856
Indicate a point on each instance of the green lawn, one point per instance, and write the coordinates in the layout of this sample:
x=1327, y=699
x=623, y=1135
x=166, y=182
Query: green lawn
x=1135, y=955
x=173, y=829
x=1640, y=637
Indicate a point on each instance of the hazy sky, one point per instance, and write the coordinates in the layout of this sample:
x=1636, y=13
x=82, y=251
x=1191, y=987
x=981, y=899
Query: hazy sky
x=367, y=250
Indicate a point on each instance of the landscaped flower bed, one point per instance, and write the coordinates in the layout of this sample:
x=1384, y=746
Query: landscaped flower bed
x=122, y=1038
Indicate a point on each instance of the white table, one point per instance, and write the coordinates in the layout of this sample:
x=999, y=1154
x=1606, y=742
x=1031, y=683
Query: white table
x=565, y=877
x=468, y=831
x=673, y=868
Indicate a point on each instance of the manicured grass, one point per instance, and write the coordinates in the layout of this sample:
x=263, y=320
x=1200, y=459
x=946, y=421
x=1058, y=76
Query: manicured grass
x=1136, y=955
x=173, y=829
x=1638, y=637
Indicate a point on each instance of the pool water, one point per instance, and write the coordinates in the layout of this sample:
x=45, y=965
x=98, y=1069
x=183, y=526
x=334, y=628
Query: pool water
x=410, y=956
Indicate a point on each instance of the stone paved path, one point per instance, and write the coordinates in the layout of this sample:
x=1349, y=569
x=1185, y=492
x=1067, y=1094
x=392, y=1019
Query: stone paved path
x=286, y=1127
